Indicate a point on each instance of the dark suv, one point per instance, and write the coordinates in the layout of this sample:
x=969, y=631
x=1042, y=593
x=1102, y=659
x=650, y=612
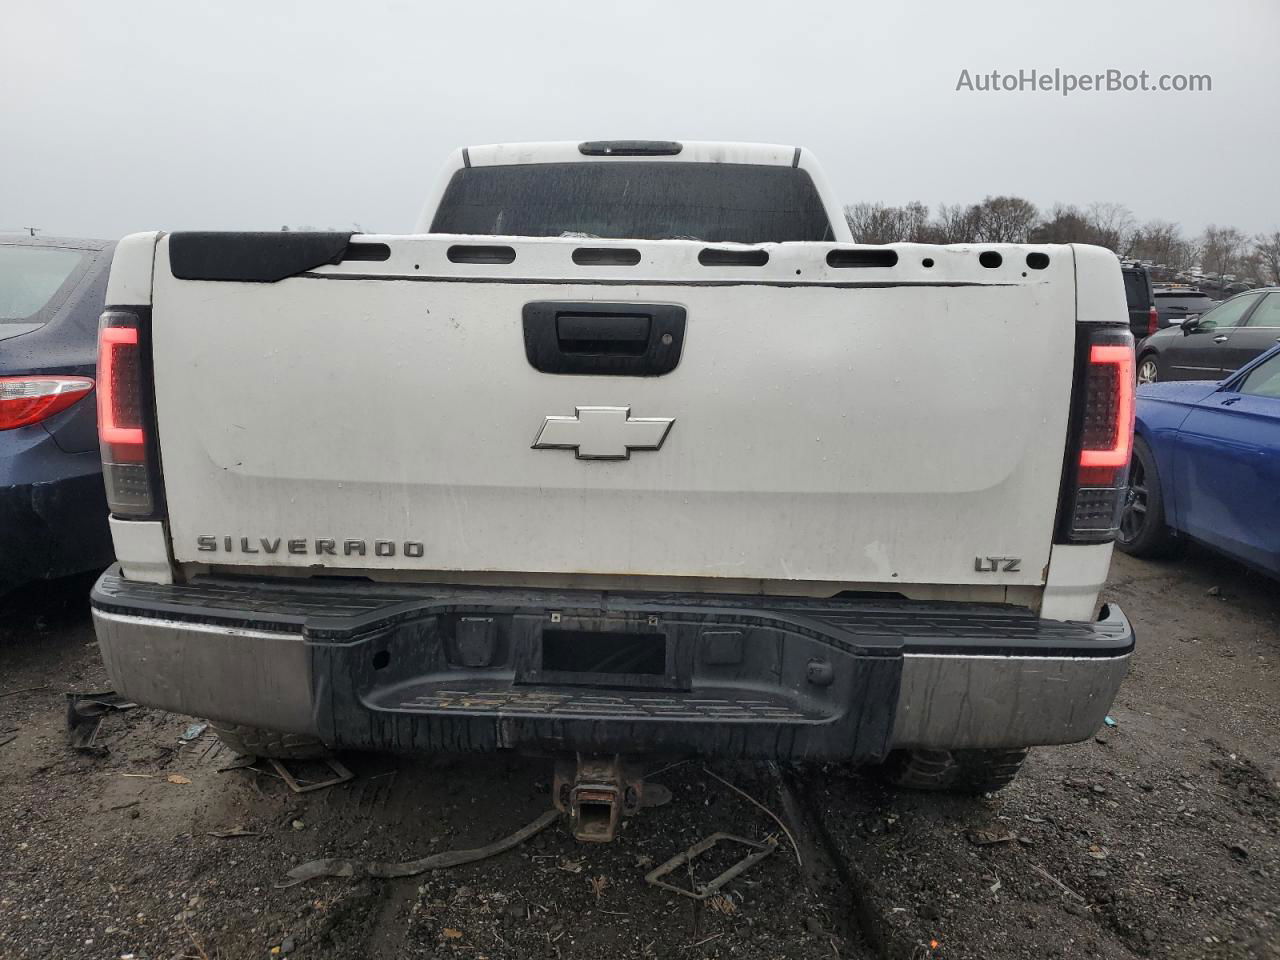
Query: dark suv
x=1175, y=303
x=1143, y=318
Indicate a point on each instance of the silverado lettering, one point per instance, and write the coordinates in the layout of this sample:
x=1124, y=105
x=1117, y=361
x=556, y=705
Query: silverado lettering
x=301, y=546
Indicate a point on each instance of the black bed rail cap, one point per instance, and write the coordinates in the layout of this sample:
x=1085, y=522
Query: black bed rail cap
x=252, y=257
x=630, y=148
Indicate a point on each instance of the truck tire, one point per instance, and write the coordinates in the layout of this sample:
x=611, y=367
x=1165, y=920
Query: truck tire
x=1144, y=531
x=256, y=742
x=955, y=771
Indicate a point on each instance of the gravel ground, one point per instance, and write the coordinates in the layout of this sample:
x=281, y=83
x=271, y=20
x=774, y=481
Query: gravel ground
x=1158, y=838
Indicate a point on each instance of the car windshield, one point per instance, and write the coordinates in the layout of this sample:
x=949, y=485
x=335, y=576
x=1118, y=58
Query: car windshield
x=1264, y=379
x=29, y=278
x=635, y=200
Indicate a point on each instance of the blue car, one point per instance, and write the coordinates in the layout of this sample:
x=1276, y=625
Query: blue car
x=1206, y=467
x=53, y=510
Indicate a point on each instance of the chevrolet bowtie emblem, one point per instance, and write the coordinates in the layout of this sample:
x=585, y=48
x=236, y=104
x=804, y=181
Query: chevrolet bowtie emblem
x=603, y=433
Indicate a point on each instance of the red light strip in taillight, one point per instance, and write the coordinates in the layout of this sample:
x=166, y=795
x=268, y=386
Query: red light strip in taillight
x=1117, y=455
x=111, y=339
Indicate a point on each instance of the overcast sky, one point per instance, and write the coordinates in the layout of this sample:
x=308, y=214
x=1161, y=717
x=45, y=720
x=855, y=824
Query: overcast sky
x=118, y=116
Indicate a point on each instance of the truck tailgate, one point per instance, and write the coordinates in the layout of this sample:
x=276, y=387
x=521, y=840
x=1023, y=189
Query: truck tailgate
x=860, y=424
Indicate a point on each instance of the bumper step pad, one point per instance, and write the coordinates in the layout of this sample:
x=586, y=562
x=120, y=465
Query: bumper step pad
x=535, y=702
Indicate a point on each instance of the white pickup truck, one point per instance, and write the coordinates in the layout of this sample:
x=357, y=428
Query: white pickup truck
x=629, y=449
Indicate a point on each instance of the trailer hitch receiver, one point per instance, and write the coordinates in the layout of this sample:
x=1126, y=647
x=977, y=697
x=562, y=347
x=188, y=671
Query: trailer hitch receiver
x=597, y=791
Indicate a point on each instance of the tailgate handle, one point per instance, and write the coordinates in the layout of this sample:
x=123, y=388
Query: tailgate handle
x=620, y=334
x=603, y=339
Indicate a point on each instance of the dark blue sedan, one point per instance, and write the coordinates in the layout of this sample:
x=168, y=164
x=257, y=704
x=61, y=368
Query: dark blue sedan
x=1206, y=467
x=53, y=510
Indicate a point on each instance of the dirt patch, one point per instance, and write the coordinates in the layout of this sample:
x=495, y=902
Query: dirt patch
x=114, y=855
x=1159, y=838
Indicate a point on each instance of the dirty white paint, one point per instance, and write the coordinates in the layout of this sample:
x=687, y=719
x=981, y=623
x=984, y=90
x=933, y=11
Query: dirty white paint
x=879, y=435
x=1076, y=571
x=129, y=284
x=142, y=550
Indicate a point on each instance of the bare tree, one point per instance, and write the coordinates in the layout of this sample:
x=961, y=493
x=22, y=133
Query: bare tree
x=1162, y=242
x=1249, y=267
x=1221, y=249
x=1065, y=224
x=1111, y=225
x=880, y=223
x=1006, y=219
x=1267, y=248
x=957, y=223
x=869, y=222
x=1194, y=251
x=916, y=227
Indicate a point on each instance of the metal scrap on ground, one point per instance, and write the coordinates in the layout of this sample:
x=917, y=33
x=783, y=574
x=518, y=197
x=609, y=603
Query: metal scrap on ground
x=84, y=716
x=702, y=891
x=437, y=861
x=340, y=775
x=986, y=836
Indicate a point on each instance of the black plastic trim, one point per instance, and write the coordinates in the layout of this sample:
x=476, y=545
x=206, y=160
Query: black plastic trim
x=630, y=148
x=329, y=612
x=252, y=257
x=603, y=339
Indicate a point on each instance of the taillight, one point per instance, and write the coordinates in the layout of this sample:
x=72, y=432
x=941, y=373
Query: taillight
x=1153, y=321
x=1101, y=437
x=124, y=415
x=28, y=400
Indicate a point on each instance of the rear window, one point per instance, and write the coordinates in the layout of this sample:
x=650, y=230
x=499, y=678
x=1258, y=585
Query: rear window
x=30, y=277
x=1202, y=298
x=1136, y=290
x=635, y=200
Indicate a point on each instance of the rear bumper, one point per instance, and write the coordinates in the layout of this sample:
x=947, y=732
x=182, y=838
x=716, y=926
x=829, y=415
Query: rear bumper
x=442, y=668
